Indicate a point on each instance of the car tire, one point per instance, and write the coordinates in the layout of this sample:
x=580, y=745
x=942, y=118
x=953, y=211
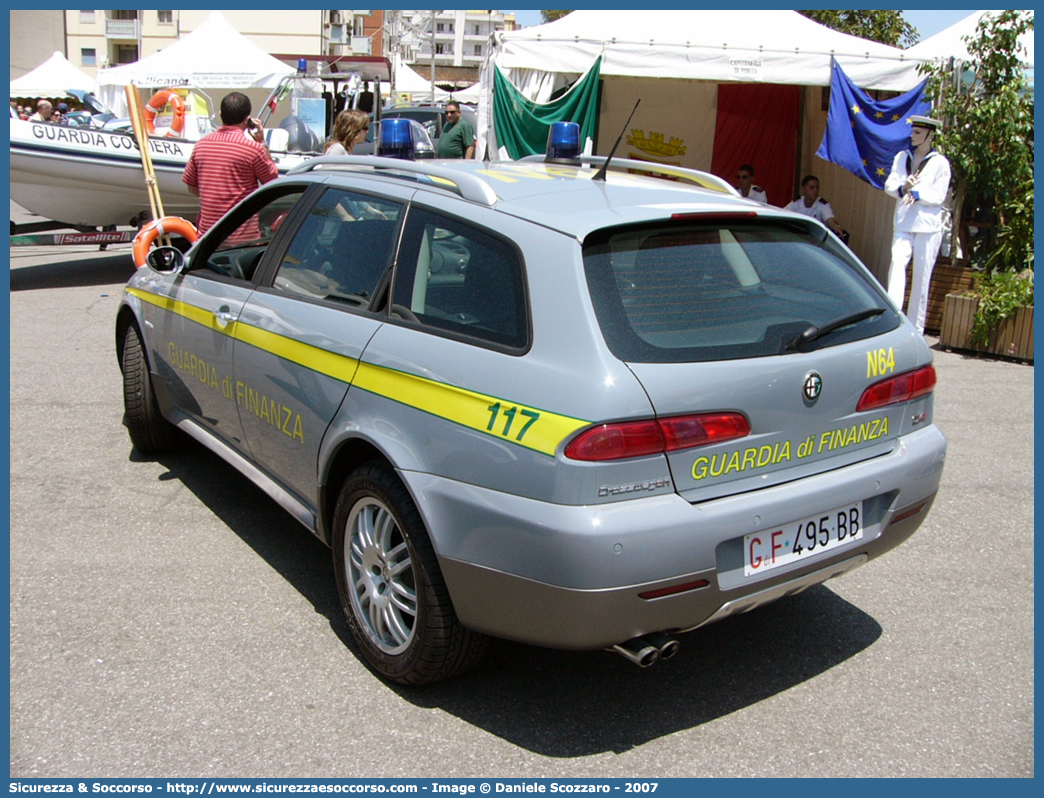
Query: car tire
x=392, y=591
x=149, y=431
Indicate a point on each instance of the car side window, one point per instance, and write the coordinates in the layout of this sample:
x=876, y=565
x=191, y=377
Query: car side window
x=429, y=120
x=457, y=278
x=250, y=230
x=341, y=249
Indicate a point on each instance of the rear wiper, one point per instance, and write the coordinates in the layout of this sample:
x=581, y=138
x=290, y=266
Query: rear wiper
x=814, y=332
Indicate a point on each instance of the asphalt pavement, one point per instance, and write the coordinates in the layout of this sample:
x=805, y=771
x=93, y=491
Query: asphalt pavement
x=168, y=619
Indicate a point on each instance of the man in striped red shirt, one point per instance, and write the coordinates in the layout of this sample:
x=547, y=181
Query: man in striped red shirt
x=228, y=164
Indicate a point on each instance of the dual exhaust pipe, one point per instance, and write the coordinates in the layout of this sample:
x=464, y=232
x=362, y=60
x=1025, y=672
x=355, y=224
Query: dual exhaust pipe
x=648, y=649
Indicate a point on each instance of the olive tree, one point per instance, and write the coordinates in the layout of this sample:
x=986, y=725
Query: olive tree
x=987, y=109
x=886, y=27
x=551, y=16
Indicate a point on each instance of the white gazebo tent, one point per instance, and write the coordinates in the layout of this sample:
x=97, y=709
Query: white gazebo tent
x=53, y=78
x=775, y=47
x=674, y=61
x=409, y=81
x=950, y=43
x=766, y=46
x=469, y=95
x=215, y=56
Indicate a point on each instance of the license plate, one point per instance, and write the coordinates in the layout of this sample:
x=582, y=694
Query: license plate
x=801, y=540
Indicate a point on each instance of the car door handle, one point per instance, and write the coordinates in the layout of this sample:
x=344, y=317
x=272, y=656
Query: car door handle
x=224, y=315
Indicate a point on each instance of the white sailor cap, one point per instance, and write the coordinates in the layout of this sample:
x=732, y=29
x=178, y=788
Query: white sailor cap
x=916, y=120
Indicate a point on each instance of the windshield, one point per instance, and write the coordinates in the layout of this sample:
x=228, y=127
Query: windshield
x=89, y=101
x=716, y=291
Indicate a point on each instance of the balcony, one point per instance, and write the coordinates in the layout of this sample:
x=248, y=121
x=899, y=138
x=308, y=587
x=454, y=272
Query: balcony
x=122, y=29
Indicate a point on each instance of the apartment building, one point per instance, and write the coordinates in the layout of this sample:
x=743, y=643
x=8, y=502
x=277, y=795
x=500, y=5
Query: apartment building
x=456, y=42
x=35, y=35
x=97, y=39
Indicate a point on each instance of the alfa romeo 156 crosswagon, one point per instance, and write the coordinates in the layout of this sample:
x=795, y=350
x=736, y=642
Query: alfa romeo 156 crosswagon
x=572, y=404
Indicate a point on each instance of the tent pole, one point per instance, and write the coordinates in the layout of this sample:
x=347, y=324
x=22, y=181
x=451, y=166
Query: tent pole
x=800, y=141
x=433, y=57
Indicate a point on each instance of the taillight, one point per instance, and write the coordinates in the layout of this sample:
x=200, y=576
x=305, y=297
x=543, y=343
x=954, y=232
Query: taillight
x=897, y=389
x=656, y=436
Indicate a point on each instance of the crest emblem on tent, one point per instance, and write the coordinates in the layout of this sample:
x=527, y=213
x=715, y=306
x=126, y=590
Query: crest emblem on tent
x=655, y=146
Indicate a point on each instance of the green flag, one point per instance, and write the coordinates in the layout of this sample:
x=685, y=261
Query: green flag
x=521, y=125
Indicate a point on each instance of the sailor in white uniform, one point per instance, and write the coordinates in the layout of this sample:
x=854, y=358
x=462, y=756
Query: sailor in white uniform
x=919, y=180
x=746, y=187
x=811, y=204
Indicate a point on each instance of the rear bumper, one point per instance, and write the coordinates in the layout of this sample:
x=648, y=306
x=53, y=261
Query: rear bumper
x=544, y=615
x=570, y=577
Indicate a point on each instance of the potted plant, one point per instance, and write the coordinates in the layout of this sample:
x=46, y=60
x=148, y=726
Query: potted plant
x=996, y=314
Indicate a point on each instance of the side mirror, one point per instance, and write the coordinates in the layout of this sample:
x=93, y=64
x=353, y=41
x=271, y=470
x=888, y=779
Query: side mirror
x=165, y=260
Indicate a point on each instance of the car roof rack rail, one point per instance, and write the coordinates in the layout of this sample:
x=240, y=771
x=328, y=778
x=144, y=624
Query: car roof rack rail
x=695, y=176
x=469, y=186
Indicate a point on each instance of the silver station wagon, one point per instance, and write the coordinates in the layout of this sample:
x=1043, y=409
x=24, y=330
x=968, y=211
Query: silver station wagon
x=558, y=401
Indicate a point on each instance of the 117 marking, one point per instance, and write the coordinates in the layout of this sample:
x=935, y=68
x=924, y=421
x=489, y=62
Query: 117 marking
x=510, y=414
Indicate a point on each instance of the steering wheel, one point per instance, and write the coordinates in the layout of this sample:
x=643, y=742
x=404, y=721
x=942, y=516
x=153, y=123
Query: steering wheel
x=227, y=263
x=235, y=268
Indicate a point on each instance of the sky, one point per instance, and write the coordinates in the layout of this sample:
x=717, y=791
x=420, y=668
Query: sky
x=928, y=23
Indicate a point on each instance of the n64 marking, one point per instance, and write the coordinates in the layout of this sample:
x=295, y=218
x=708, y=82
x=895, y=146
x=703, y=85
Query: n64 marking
x=880, y=362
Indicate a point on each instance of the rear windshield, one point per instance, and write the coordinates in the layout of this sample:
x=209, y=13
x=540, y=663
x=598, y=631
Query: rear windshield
x=719, y=291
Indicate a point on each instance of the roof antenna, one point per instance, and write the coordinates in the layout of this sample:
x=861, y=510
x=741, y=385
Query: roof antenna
x=600, y=174
x=486, y=156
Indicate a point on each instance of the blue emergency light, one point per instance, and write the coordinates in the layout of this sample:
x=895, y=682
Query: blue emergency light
x=396, y=139
x=563, y=141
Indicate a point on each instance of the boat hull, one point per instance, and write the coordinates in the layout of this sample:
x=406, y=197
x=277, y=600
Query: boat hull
x=94, y=178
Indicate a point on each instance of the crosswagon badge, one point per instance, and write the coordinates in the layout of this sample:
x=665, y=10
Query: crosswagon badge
x=813, y=386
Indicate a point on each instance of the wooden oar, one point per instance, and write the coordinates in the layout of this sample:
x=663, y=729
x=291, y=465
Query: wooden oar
x=141, y=132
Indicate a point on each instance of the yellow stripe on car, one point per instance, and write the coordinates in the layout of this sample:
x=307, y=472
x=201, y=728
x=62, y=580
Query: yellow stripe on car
x=191, y=312
x=311, y=357
x=532, y=428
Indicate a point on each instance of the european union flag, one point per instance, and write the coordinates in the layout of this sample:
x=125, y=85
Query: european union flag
x=862, y=134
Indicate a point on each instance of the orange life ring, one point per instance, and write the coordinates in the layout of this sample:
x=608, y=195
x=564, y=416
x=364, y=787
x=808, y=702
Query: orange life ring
x=156, y=103
x=160, y=227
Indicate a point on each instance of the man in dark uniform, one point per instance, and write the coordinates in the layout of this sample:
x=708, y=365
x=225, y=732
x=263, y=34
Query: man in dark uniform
x=458, y=137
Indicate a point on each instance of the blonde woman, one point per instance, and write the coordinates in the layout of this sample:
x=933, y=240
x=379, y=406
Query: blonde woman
x=349, y=129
